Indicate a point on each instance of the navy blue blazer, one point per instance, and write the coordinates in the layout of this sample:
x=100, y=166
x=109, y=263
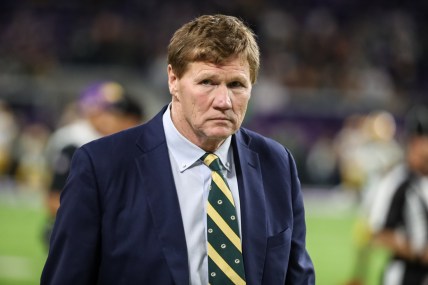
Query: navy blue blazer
x=120, y=223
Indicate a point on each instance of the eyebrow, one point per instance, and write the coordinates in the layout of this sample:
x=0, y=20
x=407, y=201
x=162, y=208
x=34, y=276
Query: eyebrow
x=210, y=75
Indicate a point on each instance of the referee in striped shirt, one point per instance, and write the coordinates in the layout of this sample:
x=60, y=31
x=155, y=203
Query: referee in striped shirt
x=399, y=217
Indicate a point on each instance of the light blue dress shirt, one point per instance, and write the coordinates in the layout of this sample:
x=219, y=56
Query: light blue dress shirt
x=192, y=180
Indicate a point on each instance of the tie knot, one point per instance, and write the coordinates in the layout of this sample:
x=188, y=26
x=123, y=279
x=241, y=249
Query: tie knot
x=212, y=161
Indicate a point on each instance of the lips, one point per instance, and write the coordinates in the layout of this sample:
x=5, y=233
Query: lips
x=221, y=119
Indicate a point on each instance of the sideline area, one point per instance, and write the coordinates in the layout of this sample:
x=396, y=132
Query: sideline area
x=330, y=216
x=332, y=238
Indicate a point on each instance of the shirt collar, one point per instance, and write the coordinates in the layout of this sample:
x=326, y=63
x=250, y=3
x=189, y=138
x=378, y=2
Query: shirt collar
x=185, y=152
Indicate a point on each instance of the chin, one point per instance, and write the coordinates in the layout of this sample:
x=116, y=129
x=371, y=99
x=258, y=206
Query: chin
x=220, y=134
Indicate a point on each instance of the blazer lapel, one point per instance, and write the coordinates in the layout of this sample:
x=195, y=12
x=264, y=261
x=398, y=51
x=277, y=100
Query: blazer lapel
x=158, y=183
x=253, y=210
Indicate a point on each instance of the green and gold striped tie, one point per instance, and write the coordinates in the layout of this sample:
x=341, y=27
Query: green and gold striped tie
x=225, y=263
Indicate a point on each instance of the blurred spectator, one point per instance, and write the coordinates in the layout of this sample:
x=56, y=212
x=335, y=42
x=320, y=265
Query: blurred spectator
x=399, y=214
x=8, y=133
x=366, y=148
x=30, y=171
x=367, y=153
x=105, y=108
x=321, y=163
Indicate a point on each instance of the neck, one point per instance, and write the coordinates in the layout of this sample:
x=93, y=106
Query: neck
x=211, y=146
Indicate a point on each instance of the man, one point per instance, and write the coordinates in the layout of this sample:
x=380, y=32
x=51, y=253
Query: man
x=137, y=207
x=104, y=108
x=399, y=217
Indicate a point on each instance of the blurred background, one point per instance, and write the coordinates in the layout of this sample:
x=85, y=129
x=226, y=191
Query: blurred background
x=336, y=79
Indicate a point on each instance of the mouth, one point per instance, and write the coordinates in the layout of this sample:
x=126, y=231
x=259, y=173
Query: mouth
x=220, y=119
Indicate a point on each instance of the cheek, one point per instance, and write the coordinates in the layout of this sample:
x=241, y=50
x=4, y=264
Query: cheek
x=193, y=107
x=241, y=106
x=424, y=158
x=200, y=104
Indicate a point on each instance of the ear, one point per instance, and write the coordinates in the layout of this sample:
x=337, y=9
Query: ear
x=172, y=81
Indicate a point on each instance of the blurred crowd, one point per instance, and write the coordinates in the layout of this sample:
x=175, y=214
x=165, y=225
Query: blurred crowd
x=21, y=152
x=337, y=79
x=367, y=49
x=35, y=158
x=324, y=63
x=35, y=154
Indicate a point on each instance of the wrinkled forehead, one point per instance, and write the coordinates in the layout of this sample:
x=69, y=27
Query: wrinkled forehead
x=239, y=59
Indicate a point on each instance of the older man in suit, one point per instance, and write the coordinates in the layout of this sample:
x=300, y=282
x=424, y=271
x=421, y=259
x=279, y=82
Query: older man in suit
x=147, y=206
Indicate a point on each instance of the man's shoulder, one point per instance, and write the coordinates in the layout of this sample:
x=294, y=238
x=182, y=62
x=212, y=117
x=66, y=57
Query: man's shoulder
x=141, y=137
x=124, y=137
x=258, y=140
x=268, y=150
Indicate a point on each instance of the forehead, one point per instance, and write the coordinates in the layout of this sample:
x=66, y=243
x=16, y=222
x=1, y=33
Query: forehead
x=234, y=66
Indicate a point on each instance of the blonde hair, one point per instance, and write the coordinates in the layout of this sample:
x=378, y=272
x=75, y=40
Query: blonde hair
x=214, y=39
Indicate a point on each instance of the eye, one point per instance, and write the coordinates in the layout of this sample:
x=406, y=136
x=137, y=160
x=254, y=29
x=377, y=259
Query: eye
x=235, y=84
x=206, y=82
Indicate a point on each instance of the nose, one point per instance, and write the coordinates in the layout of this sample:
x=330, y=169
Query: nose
x=223, y=97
